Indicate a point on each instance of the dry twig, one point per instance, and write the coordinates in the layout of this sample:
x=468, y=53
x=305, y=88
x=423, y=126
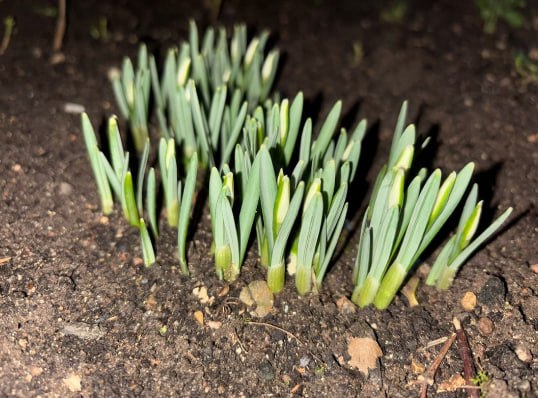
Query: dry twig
x=60, y=27
x=430, y=373
x=269, y=325
x=435, y=342
x=469, y=371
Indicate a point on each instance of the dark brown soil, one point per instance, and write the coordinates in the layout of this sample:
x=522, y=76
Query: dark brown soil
x=75, y=303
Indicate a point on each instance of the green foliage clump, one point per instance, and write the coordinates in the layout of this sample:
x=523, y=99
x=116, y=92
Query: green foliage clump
x=402, y=220
x=270, y=174
x=492, y=11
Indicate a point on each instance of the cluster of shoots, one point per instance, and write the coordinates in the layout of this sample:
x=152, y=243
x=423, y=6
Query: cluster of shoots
x=295, y=200
x=201, y=99
x=115, y=180
x=270, y=175
x=403, y=218
x=202, y=94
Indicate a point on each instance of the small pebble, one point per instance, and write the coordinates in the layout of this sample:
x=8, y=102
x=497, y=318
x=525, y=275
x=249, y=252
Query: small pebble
x=36, y=371
x=70, y=107
x=199, y=316
x=266, y=371
x=524, y=386
x=57, y=58
x=345, y=306
x=468, y=301
x=304, y=361
x=224, y=291
x=485, y=326
x=83, y=331
x=138, y=261
x=523, y=353
x=37, y=52
x=65, y=189
x=498, y=388
x=529, y=306
x=214, y=324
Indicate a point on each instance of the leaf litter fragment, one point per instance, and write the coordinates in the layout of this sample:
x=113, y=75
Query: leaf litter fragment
x=364, y=353
x=410, y=291
x=201, y=294
x=258, y=293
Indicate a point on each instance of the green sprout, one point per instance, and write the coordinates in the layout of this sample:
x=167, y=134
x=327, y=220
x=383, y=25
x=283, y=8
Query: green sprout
x=131, y=90
x=358, y=53
x=279, y=212
x=163, y=330
x=526, y=68
x=9, y=24
x=148, y=254
x=492, y=11
x=231, y=231
x=481, y=380
x=324, y=213
x=45, y=11
x=151, y=202
x=185, y=210
x=120, y=177
x=103, y=187
x=99, y=30
x=400, y=223
x=461, y=245
x=394, y=11
x=171, y=185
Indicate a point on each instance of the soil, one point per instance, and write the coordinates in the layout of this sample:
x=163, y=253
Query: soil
x=80, y=315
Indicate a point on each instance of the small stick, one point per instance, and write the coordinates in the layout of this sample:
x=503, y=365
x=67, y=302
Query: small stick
x=4, y=260
x=430, y=374
x=60, y=27
x=469, y=371
x=269, y=325
x=9, y=23
x=435, y=342
x=240, y=342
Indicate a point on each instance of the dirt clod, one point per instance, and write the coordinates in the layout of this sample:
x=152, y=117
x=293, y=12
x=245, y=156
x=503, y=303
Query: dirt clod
x=493, y=292
x=485, y=326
